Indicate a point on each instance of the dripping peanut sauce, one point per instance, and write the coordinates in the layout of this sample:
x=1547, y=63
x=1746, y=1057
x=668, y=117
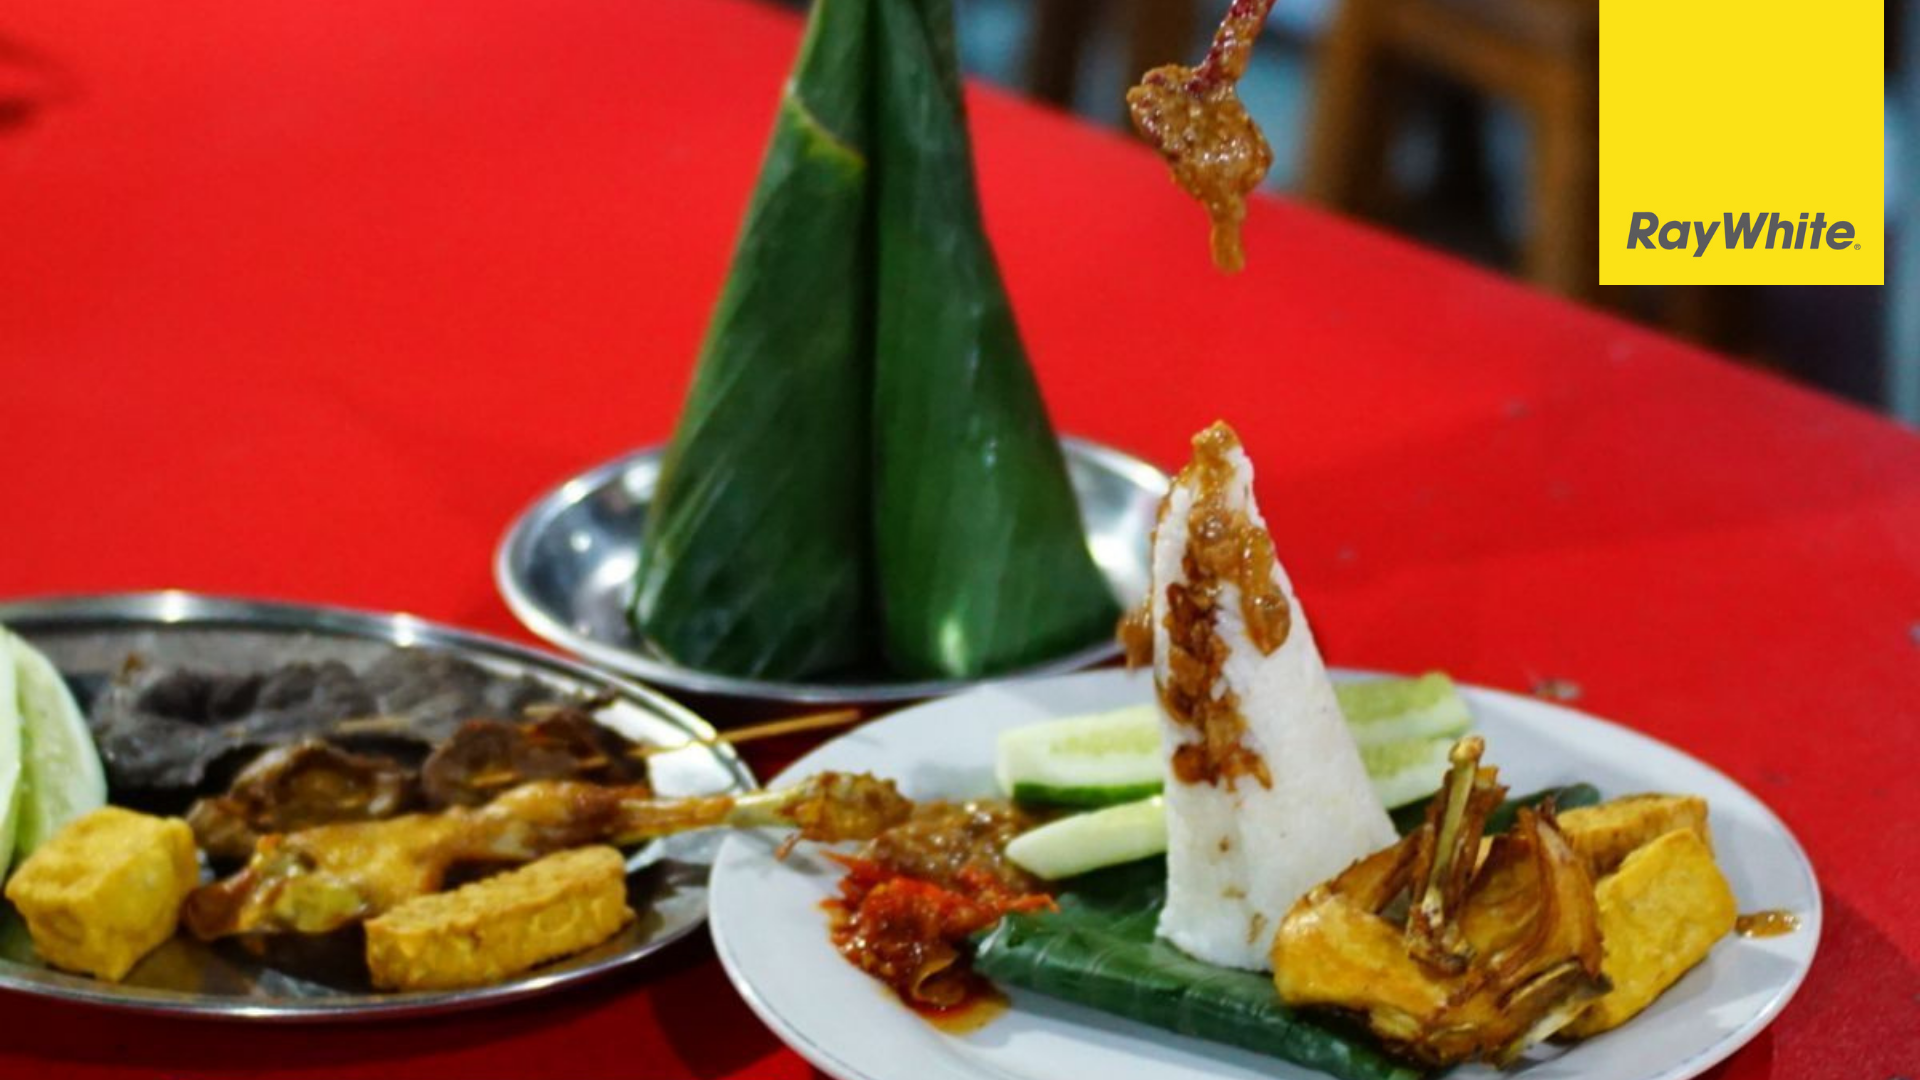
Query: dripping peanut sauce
x=1224, y=547
x=1194, y=118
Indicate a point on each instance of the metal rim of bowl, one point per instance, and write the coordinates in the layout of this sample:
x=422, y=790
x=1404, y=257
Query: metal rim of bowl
x=401, y=630
x=661, y=672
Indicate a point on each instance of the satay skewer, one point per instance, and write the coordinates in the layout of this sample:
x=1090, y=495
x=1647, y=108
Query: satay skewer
x=792, y=725
x=315, y=880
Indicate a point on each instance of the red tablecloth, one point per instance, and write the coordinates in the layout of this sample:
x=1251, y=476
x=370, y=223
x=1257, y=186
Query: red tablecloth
x=307, y=300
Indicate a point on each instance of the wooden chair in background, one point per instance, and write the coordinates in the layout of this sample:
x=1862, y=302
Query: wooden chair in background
x=1541, y=56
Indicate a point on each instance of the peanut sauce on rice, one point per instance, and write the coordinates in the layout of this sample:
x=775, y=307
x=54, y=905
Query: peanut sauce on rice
x=1224, y=547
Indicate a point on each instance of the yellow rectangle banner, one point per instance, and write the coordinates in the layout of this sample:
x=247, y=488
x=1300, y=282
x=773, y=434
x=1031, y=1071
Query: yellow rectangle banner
x=1742, y=142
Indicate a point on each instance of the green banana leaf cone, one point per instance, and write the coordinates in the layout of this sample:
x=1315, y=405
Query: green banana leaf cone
x=864, y=477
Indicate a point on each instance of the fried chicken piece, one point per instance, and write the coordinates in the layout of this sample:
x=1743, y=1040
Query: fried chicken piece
x=1490, y=959
x=321, y=879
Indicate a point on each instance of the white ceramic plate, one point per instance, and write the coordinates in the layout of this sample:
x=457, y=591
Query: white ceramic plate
x=770, y=930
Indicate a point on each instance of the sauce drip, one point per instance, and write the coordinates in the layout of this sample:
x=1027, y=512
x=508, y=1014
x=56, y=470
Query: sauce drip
x=1224, y=546
x=1194, y=117
x=1136, y=635
x=969, y=1016
x=1763, y=924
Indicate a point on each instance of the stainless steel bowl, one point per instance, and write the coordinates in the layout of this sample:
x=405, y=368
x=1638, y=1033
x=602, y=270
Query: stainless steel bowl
x=89, y=638
x=566, y=567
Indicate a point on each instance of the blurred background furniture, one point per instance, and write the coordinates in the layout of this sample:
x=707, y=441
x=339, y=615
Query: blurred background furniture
x=1539, y=56
x=1903, y=269
x=1470, y=125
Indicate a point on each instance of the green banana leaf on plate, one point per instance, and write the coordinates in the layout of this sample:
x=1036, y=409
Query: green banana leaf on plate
x=1099, y=950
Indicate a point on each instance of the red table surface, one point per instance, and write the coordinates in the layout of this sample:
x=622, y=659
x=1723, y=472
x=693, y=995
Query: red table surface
x=308, y=300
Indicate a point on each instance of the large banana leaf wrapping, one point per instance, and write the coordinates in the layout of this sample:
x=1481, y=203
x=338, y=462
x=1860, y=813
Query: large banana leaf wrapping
x=1099, y=950
x=864, y=475
x=982, y=561
x=754, y=559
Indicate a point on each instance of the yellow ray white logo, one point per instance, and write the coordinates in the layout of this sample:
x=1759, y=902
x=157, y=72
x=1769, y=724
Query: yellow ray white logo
x=1743, y=232
x=1742, y=143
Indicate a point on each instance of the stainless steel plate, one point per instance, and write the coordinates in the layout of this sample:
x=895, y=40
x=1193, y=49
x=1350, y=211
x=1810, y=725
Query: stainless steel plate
x=88, y=638
x=567, y=563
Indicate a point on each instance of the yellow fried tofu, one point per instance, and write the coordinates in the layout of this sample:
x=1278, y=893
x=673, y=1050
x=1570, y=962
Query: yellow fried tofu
x=1605, y=834
x=1660, y=914
x=497, y=927
x=106, y=890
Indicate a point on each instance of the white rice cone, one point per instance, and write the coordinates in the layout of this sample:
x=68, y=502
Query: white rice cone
x=1239, y=853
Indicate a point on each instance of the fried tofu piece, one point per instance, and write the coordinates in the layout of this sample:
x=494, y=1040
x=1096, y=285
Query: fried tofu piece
x=1606, y=834
x=500, y=926
x=106, y=890
x=1660, y=914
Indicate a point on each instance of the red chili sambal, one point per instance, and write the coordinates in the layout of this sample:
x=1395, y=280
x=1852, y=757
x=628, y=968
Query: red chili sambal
x=914, y=896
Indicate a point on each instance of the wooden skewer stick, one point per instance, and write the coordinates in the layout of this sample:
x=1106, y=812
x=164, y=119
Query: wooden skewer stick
x=372, y=725
x=792, y=725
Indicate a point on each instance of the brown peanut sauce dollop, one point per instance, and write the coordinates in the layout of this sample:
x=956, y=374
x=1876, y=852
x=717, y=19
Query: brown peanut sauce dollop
x=1194, y=117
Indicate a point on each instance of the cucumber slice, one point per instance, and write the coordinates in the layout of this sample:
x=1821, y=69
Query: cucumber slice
x=9, y=757
x=1382, y=711
x=1084, y=760
x=61, y=777
x=1408, y=771
x=1116, y=757
x=1082, y=842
